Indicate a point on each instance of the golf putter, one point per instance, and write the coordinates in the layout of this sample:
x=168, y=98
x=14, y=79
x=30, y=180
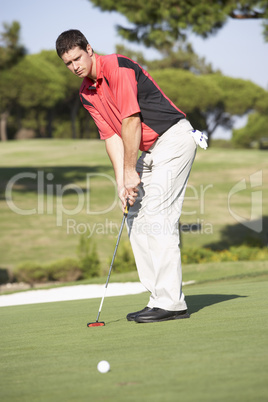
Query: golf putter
x=102, y=323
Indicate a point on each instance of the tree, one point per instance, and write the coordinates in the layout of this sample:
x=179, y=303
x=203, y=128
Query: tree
x=239, y=97
x=195, y=95
x=33, y=86
x=7, y=101
x=256, y=128
x=182, y=56
x=213, y=100
x=70, y=88
x=160, y=23
x=40, y=94
x=11, y=52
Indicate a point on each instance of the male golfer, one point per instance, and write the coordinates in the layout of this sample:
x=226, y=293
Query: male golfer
x=132, y=113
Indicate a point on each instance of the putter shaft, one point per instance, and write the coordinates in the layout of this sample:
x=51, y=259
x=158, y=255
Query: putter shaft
x=115, y=250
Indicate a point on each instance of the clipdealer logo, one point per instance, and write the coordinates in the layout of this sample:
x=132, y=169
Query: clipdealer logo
x=254, y=219
x=50, y=197
x=50, y=200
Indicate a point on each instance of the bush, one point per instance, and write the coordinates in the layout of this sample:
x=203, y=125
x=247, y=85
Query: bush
x=88, y=258
x=66, y=270
x=5, y=276
x=88, y=265
x=62, y=129
x=30, y=272
x=124, y=260
x=195, y=256
x=240, y=253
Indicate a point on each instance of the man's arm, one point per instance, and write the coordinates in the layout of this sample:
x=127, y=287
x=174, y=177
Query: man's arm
x=123, y=153
x=115, y=150
x=131, y=136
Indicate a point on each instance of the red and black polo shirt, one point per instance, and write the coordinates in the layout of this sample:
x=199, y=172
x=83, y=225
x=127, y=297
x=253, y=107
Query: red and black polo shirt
x=124, y=88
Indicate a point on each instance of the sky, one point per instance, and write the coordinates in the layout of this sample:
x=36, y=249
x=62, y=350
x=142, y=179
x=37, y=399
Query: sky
x=238, y=49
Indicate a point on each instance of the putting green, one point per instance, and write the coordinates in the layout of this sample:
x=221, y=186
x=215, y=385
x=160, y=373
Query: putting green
x=219, y=354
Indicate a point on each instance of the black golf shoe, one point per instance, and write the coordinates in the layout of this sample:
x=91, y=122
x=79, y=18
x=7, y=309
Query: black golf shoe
x=131, y=316
x=158, y=314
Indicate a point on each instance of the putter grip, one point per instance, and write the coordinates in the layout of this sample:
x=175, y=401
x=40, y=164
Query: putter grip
x=126, y=208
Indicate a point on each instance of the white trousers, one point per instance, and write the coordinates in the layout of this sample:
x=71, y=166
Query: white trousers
x=153, y=220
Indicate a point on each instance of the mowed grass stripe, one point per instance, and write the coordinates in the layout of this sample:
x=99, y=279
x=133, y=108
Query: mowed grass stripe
x=219, y=354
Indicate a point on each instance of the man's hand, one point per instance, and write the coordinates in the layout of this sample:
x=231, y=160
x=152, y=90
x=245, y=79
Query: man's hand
x=130, y=190
x=132, y=181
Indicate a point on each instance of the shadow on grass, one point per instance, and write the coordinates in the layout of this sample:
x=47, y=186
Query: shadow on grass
x=236, y=235
x=198, y=302
x=34, y=180
x=114, y=321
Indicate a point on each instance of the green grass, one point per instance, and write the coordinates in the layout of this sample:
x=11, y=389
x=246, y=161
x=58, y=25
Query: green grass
x=219, y=354
x=44, y=236
x=48, y=354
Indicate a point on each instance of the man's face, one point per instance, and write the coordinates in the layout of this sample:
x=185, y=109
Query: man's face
x=79, y=62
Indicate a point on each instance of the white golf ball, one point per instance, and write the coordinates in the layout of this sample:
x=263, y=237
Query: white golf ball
x=103, y=366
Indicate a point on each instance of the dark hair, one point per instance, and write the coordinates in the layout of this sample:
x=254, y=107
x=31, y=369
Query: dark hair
x=70, y=39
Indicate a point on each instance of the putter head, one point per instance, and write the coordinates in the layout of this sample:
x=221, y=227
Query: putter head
x=96, y=324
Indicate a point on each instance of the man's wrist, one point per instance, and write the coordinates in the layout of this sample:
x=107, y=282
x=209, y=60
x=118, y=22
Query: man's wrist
x=129, y=169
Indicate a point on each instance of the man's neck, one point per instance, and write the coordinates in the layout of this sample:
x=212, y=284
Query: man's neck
x=93, y=73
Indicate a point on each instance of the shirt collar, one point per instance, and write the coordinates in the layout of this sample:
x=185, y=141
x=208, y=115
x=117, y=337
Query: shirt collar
x=99, y=73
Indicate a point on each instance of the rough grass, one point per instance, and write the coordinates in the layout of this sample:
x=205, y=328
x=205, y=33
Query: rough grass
x=220, y=354
x=196, y=273
x=54, y=233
